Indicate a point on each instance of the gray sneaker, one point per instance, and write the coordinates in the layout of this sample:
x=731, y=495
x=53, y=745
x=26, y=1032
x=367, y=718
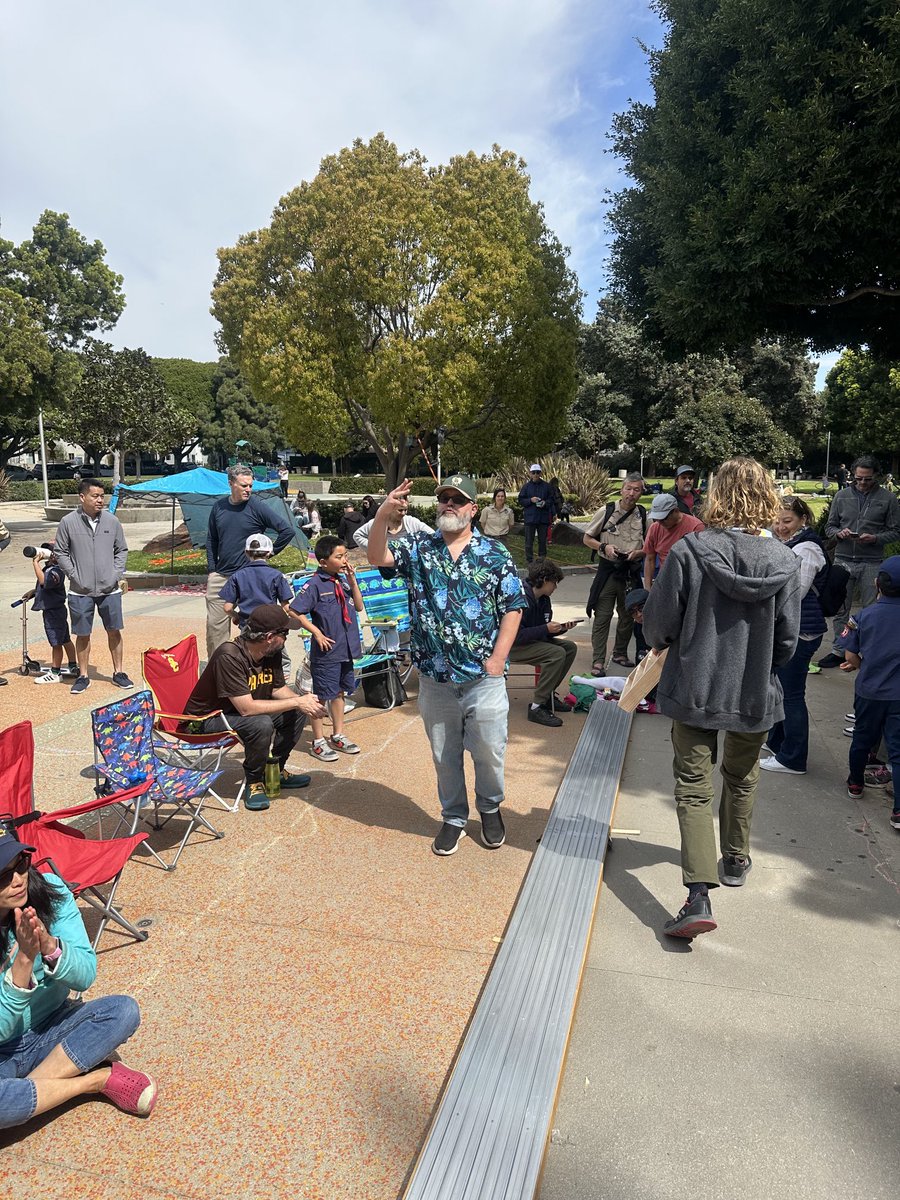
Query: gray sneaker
x=81, y=684
x=734, y=869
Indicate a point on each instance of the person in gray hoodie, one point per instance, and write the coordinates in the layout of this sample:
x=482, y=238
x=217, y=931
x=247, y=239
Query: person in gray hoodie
x=727, y=606
x=93, y=554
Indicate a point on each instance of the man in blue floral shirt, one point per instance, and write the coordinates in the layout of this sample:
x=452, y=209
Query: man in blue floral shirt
x=466, y=603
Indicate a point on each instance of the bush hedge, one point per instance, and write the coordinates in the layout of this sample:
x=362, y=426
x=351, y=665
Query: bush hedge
x=55, y=489
x=373, y=485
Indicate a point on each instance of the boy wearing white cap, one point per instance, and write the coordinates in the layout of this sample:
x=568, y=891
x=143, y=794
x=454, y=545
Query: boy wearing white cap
x=257, y=583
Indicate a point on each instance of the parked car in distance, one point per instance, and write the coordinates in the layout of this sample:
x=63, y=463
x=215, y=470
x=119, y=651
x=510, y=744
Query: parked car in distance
x=57, y=471
x=17, y=474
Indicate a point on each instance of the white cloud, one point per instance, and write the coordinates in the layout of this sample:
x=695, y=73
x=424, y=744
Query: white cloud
x=167, y=129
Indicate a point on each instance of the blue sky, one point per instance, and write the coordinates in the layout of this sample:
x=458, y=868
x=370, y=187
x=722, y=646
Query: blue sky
x=167, y=129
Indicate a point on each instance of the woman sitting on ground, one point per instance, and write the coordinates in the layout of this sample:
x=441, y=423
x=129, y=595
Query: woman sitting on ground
x=789, y=739
x=50, y=1045
x=497, y=520
x=299, y=507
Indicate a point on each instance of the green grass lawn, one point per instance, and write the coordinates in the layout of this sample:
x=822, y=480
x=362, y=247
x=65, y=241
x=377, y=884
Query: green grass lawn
x=193, y=562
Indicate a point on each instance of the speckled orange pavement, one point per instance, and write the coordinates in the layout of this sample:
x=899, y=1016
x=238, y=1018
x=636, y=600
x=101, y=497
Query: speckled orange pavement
x=308, y=977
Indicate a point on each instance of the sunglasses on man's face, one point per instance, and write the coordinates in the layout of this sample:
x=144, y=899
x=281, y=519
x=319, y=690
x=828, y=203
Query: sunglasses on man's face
x=19, y=866
x=863, y=478
x=454, y=501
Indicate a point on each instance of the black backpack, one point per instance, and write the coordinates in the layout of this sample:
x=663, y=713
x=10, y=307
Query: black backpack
x=831, y=588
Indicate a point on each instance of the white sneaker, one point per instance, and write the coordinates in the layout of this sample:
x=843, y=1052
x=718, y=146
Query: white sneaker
x=772, y=764
x=48, y=677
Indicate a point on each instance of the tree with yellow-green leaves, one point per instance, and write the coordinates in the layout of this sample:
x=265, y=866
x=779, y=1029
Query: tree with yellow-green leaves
x=389, y=299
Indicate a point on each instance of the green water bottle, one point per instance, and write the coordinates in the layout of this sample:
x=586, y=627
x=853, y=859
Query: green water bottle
x=273, y=778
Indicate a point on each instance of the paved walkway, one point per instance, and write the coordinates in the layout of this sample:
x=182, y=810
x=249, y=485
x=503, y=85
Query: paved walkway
x=761, y=1059
x=308, y=978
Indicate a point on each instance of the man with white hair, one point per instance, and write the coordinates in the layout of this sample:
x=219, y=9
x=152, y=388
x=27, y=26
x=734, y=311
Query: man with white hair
x=538, y=510
x=465, y=604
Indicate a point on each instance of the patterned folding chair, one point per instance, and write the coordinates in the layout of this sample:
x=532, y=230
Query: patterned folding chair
x=387, y=615
x=171, y=676
x=90, y=869
x=124, y=756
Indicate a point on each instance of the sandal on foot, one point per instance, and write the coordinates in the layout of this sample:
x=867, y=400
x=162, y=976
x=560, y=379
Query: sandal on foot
x=132, y=1091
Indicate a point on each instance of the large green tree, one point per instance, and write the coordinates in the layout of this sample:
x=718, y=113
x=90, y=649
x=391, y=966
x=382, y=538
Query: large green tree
x=862, y=406
x=388, y=299
x=764, y=199
x=192, y=388
x=238, y=415
x=55, y=290
x=121, y=404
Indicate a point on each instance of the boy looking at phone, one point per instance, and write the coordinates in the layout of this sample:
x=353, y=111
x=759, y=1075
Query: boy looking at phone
x=538, y=642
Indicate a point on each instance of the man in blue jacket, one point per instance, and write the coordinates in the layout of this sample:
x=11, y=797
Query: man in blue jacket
x=536, y=498
x=538, y=642
x=232, y=520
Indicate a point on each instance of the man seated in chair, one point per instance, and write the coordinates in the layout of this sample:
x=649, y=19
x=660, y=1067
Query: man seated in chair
x=537, y=642
x=245, y=680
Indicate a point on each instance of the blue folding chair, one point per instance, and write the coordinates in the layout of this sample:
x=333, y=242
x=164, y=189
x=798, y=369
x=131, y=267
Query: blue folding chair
x=124, y=756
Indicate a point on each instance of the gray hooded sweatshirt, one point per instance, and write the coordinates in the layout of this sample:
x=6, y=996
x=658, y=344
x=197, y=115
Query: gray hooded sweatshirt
x=727, y=604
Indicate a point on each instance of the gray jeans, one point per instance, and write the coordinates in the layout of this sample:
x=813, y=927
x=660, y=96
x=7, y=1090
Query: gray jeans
x=862, y=581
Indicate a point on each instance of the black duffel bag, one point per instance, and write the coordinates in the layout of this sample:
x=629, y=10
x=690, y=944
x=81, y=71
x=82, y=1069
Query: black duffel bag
x=381, y=688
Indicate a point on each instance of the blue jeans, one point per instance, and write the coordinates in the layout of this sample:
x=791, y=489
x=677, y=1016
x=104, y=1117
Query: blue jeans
x=789, y=739
x=88, y=1033
x=875, y=719
x=473, y=717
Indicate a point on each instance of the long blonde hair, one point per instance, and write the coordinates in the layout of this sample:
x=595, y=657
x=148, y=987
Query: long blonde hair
x=741, y=495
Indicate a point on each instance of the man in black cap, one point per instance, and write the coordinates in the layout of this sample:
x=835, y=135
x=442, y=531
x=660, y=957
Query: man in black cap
x=685, y=493
x=244, y=685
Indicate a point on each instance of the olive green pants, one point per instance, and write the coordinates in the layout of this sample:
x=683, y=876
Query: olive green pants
x=693, y=766
x=611, y=598
x=554, y=656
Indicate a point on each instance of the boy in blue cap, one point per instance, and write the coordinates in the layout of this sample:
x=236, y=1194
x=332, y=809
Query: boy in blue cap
x=873, y=648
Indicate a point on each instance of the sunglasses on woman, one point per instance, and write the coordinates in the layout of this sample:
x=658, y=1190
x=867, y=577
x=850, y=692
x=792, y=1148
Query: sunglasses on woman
x=19, y=866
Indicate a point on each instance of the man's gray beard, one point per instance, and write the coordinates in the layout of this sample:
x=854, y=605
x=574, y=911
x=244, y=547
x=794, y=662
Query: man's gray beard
x=453, y=522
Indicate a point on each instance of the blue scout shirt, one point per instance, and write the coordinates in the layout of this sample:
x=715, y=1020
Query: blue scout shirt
x=319, y=600
x=253, y=585
x=456, y=607
x=876, y=639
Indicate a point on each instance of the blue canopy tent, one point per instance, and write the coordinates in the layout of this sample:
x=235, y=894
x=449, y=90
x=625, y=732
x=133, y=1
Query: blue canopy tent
x=197, y=491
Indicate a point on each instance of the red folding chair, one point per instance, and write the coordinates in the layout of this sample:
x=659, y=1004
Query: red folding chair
x=171, y=676
x=90, y=869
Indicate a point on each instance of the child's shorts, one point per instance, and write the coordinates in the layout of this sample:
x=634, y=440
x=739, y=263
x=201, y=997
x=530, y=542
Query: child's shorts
x=332, y=677
x=56, y=626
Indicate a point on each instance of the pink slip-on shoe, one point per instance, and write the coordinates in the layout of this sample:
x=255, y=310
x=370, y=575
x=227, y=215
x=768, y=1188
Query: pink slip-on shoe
x=132, y=1091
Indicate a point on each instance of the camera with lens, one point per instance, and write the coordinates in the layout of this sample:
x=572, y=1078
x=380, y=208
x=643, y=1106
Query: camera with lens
x=41, y=553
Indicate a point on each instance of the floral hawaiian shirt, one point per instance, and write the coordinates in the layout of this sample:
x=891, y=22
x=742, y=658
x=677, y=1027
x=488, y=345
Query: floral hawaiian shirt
x=456, y=607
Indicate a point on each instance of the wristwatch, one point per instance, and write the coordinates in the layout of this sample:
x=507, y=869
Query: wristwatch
x=51, y=959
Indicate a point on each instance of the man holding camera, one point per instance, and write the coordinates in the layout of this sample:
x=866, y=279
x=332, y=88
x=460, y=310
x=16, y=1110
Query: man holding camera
x=93, y=554
x=618, y=533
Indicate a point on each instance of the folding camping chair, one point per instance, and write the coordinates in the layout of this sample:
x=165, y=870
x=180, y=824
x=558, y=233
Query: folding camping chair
x=90, y=869
x=124, y=754
x=171, y=676
x=387, y=615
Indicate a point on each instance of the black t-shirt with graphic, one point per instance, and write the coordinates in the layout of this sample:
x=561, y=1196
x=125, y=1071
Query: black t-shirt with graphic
x=232, y=672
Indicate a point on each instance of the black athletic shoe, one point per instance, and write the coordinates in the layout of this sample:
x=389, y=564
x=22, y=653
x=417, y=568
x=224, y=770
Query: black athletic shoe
x=543, y=716
x=560, y=705
x=448, y=839
x=694, y=918
x=830, y=660
x=733, y=869
x=493, y=831
x=120, y=679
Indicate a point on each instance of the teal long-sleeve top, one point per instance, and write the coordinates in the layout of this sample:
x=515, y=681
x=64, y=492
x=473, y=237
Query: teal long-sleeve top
x=22, y=1009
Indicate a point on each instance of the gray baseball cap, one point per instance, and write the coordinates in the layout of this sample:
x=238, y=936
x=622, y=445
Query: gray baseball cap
x=662, y=506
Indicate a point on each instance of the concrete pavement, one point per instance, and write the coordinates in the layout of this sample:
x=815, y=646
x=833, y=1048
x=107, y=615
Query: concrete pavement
x=760, y=1060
